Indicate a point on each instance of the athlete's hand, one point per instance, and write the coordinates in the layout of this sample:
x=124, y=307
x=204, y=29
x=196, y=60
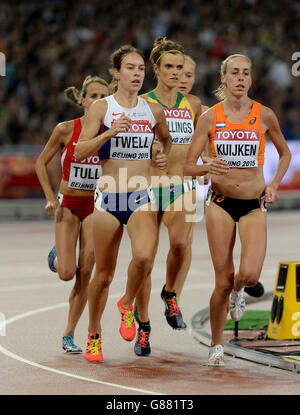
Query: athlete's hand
x=51, y=207
x=161, y=160
x=121, y=125
x=205, y=158
x=217, y=167
x=59, y=214
x=271, y=195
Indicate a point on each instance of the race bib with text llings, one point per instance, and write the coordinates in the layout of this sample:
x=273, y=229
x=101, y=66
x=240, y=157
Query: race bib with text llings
x=180, y=124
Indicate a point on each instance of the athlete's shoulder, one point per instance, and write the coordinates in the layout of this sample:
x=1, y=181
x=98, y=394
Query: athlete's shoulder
x=266, y=111
x=156, y=108
x=99, y=105
x=144, y=96
x=206, y=120
x=65, y=127
x=150, y=96
x=268, y=116
x=193, y=99
x=204, y=108
x=208, y=114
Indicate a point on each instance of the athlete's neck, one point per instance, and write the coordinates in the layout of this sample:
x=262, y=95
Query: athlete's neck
x=237, y=104
x=126, y=99
x=168, y=96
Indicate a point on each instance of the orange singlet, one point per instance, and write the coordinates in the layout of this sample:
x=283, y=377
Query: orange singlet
x=240, y=145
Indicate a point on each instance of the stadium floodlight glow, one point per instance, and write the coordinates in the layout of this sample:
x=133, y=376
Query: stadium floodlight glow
x=2, y=64
x=296, y=65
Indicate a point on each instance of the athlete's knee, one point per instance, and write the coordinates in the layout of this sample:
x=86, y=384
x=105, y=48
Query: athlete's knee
x=179, y=245
x=224, y=288
x=66, y=274
x=84, y=274
x=249, y=277
x=224, y=283
x=102, y=280
x=143, y=260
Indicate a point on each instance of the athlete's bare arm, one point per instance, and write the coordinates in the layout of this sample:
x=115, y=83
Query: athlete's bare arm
x=272, y=129
x=196, y=148
x=162, y=134
x=59, y=138
x=196, y=106
x=89, y=140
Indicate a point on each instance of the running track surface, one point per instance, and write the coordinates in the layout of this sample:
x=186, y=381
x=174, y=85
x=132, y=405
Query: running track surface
x=34, y=303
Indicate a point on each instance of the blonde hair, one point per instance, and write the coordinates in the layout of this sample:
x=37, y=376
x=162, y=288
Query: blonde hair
x=220, y=92
x=76, y=96
x=189, y=59
x=162, y=46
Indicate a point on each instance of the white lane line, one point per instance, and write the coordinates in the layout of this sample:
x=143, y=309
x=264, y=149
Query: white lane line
x=60, y=372
x=61, y=305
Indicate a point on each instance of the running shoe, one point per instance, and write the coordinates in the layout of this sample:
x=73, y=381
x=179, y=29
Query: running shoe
x=237, y=304
x=127, y=328
x=255, y=291
x=93, y=351
x=216, y=356
x=51, y=258
x=142, y=344
x=69, y=346
x=172, y=311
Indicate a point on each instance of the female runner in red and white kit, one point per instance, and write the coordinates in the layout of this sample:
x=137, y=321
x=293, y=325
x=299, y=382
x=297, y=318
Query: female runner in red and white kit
x=123, y=196
x=73, y=206
x=235, y=129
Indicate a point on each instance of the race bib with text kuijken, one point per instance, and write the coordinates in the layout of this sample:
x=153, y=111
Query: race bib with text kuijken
x=238, y=147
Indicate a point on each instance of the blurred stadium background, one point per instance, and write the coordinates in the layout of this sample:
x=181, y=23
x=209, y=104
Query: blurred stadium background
x=49, y=45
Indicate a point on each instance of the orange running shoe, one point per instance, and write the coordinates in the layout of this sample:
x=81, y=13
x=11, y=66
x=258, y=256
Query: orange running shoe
x=93, y=349
x=127, y=328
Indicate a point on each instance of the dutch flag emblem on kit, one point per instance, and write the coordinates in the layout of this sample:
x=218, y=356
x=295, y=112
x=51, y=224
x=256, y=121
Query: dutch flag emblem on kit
x=220, y=125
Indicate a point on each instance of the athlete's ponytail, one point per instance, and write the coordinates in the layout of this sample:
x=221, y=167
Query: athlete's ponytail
x=76, y=96
x=73, y=94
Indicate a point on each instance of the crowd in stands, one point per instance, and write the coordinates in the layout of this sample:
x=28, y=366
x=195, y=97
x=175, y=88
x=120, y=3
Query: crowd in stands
x=51, y=44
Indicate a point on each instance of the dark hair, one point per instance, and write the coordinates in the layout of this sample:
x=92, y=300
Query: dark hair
x=116, y=62
x=161, y=46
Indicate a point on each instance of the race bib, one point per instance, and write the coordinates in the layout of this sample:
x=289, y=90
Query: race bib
x=136, y=144
x=84, y=176
x=180, y=124
x=239, y=148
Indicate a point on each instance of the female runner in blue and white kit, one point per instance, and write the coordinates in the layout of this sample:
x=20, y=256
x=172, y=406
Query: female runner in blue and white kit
x=124, y=145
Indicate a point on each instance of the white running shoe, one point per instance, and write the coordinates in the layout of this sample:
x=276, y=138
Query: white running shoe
x=237, y=304
x=216, y=356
